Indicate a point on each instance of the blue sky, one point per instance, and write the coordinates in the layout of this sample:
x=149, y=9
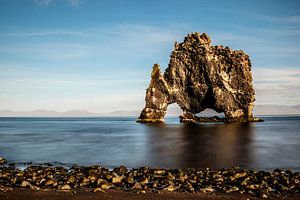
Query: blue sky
x=97, y=55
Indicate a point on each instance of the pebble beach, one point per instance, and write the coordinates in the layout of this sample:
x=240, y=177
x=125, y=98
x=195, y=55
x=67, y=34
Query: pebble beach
x=202, y=183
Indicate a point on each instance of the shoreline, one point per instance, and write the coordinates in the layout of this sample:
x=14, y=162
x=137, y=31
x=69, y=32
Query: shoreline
x=28, y=194
x=151, y=181
x=21, y=165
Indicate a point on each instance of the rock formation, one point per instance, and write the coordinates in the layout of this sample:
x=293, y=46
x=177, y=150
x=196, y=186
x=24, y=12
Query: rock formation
x=201, y=76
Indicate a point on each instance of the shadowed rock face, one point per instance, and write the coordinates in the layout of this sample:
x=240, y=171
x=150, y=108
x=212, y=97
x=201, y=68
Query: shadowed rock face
x=201, y=76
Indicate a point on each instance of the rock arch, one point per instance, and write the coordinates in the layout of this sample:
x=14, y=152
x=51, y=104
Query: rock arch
x=201, y=76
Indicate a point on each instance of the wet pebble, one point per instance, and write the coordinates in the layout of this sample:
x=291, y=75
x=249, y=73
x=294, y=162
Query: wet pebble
x=117, y=179
x=2, y=160
x=66, y=187
x=99, y=190
x=144, y=179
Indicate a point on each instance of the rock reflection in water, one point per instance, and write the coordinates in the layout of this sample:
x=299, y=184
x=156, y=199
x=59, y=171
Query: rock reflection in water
x=194, y=145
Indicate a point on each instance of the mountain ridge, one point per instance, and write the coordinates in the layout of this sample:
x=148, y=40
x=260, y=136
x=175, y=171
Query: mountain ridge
x=172, y=111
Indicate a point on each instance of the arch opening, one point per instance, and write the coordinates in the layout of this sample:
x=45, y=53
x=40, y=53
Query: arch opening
x=173, y=110
x=210, y=113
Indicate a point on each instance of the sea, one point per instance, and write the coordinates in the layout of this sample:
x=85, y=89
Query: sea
x=115, y=141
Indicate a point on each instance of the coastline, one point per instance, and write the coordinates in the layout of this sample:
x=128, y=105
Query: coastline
x=88, y=182
x=27, y=194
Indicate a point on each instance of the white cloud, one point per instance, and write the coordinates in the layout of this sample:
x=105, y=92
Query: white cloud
x=286, y=32
x=280, y=18
x=129, y=40
x=49, y=51
x=264, y=75
x=40, y=33
x=139, y=35
x=146, y=32
x=293, y=19
x=43, y=2
x=73, y=3
x=220, y=38
x=277, y=86
x=270, y=44
x=68, y=90
x=273, y=86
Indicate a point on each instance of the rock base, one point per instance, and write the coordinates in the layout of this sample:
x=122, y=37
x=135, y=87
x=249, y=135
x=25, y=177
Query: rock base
x=150, y=121
x=196, y=119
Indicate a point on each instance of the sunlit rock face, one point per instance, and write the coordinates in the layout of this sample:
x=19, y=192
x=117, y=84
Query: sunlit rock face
x=201, y=76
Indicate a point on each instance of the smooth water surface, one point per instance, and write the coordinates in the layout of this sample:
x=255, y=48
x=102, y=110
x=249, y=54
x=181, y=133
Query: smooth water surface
x=111, y=142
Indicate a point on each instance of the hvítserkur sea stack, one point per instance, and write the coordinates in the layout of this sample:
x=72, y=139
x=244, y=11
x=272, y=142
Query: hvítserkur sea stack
x=201, y=76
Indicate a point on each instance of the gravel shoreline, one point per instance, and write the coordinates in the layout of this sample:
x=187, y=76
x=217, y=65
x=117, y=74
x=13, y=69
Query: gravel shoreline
x=28, y=194
x=143, y=180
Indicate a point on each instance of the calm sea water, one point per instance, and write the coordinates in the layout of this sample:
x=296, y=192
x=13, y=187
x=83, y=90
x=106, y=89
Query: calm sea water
x=111, y=142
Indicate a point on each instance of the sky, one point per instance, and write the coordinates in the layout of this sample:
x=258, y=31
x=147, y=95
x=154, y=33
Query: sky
x=97, y=55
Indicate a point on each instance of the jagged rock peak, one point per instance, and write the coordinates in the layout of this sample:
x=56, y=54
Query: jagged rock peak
x=201, y=76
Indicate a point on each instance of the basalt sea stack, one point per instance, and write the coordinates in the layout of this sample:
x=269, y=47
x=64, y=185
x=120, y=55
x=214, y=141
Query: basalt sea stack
x=201, y=76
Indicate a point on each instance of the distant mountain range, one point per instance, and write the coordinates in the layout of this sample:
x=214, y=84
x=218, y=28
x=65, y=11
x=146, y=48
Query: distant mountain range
x=276, y=110
x=173, y=111
x=45, y=113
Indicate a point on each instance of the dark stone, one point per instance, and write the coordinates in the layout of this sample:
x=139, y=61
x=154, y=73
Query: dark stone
x=201, y=76
x=2, y=160
x=120, y=170
x=233, y=180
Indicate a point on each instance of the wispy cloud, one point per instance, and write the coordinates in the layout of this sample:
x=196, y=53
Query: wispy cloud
x=118, y=39
x=142, y=36
x=40, y=33
x=277, y=86
x=263, y=43
x=220, y=38
x=49, y=51
x=293, y=19
x=278, y=18
x=125, y=42
x=148, y=33
x=45, y=3
x=101, y=92
x=280, y=30
x=278, y=75
x=75, y=3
